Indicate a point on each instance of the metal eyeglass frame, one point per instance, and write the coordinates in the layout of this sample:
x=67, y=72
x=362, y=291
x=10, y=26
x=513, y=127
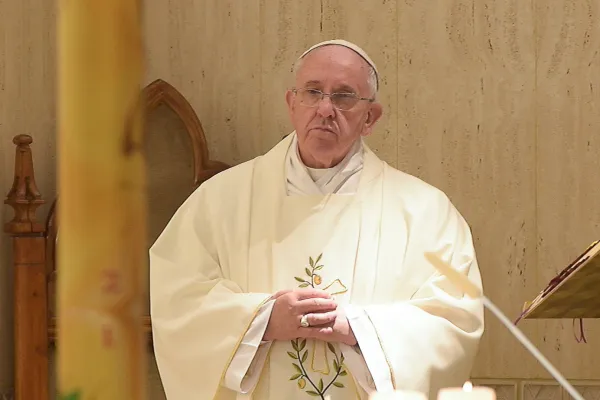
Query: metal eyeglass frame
x=323, y=95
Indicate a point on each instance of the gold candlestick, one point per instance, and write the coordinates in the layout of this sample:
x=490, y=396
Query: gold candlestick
x=102, y=209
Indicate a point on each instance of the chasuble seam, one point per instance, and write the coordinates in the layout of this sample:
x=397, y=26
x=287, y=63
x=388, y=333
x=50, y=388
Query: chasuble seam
x=237, y=346
x=387, y=360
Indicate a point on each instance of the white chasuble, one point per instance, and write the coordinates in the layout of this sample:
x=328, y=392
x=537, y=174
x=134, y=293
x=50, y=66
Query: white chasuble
x=312, y=248
x=239, y=238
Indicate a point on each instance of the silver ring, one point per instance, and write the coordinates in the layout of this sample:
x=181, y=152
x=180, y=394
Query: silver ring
x=304, y=321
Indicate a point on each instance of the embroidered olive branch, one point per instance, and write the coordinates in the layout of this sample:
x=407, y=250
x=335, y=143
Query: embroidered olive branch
x=315, y=279
x=338, y=364
x=319, y=389
x=299, y=347
x=301, y=371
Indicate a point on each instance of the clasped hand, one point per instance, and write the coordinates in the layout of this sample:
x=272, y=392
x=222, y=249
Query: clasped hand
x=326, y=321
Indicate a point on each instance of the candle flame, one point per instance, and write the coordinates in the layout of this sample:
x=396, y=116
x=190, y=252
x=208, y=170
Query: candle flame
x=468, y=386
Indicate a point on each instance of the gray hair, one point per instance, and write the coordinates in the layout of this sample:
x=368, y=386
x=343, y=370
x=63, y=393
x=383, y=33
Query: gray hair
x=371, y=80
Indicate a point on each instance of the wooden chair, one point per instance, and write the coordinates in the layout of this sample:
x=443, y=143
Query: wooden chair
x=175, y=142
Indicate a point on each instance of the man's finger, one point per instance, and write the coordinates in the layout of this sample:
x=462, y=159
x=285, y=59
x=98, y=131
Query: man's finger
x=314, y=305
x=280, y=293
x=320, y=333
x=310, y=293
x=321, y=319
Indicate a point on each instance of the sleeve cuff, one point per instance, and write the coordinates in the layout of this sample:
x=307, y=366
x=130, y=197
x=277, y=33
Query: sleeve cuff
x=369, y=366
x=247, y=363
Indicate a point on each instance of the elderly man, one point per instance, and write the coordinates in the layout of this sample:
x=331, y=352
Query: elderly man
x=301, y=273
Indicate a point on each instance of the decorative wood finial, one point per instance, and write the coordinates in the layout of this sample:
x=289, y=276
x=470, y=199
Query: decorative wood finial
x=24, y=196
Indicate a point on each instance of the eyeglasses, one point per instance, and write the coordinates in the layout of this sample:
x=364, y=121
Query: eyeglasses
x=340, y=101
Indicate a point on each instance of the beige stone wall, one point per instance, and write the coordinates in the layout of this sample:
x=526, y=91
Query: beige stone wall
x=495, y=102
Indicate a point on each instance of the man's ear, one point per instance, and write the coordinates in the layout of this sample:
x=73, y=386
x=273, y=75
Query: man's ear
x=372, y=117
x=289, y=99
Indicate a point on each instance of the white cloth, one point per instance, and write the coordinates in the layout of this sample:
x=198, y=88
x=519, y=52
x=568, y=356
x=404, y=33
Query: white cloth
x=342, y=178
x=234, y=242
x=347, y=44
x=246, y=365
x=244, y=371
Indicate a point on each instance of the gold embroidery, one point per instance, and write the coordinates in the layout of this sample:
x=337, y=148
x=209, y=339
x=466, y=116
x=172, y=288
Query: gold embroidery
x=317, y=388
x=326, y=370
x=332, y=292
x=237, y=345
x=319, y=351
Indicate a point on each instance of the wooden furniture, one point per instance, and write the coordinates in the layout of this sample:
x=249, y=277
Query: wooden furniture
x=34, y=242
x=573, y=293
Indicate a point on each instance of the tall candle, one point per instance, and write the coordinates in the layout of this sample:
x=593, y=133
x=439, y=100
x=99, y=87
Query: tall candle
x=101, y=206
x=467, y=392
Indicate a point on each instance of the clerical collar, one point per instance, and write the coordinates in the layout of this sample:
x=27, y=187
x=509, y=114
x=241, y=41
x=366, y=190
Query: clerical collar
x=343, y=178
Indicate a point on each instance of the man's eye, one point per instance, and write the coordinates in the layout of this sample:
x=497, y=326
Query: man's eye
x=345, y=95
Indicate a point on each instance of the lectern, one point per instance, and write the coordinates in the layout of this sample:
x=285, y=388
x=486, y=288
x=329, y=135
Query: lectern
x=574, y=293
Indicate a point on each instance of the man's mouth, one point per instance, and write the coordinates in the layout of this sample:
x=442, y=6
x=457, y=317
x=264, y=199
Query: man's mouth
x=324, y=128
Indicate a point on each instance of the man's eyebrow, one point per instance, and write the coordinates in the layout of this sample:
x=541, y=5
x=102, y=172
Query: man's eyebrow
x=312, y=83
x=345, y=89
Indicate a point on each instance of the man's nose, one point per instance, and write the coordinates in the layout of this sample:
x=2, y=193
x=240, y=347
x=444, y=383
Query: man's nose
x=325, y=108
